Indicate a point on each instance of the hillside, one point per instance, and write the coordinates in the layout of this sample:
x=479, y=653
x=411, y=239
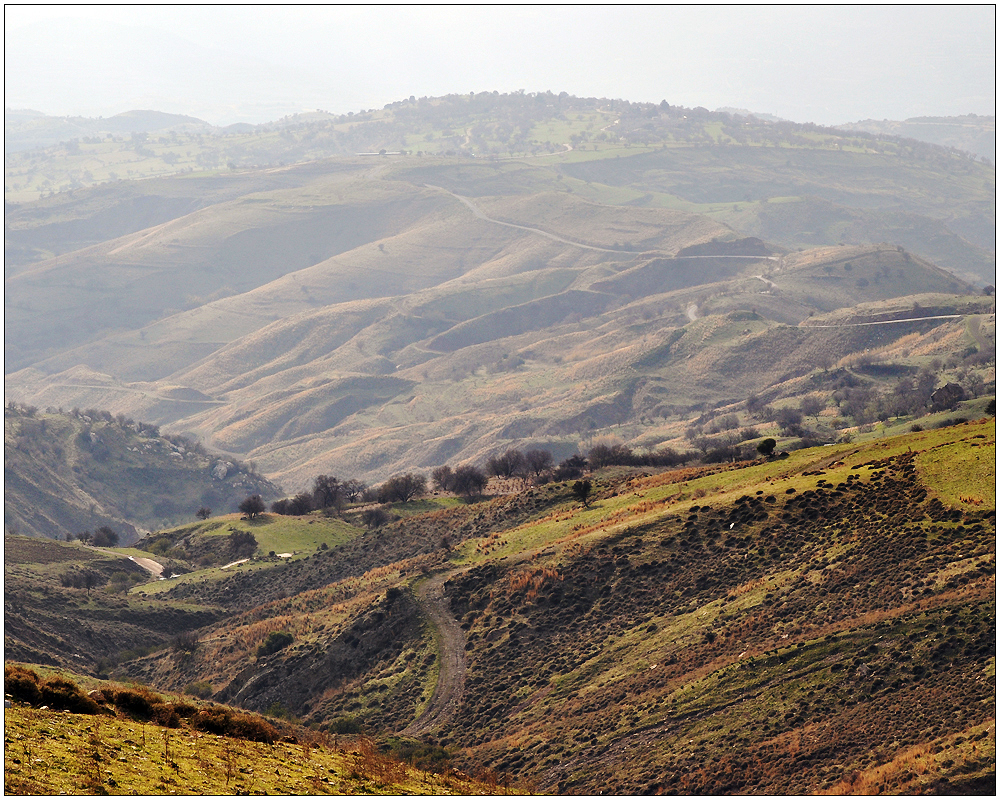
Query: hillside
x=972, y=133
x=815, y=622
x=516, y=271
x=190, y=748
x=65, y=473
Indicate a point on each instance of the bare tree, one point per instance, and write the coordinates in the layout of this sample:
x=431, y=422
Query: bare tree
x=253, y=506
x=538, y=461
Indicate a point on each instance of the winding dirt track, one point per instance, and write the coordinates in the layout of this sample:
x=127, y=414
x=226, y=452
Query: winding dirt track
x=450, y=640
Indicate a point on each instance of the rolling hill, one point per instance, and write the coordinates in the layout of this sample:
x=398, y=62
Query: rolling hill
x=815, y=622
x=518, y=275
x=972, y=133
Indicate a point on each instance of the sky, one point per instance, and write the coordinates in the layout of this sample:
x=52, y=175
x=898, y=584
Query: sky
x=228, y=63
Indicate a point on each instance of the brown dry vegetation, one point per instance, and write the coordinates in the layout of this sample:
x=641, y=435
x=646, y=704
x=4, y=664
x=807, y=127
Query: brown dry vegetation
x=821, y=622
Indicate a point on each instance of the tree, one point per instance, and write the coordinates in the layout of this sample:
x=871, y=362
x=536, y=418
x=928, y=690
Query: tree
x=301, y=504
x=538, y=461
x=581, y=490
x=443, y=478
x=327, y=492
x=603, y=455
x=353, y=489
x=811, y=406
x=252, y=507
x=572, y=467
x=203, y=513
x=105, y=537
x=766, y=447
x=506, y=465
x=402, y=488
x=790, y=420
x=469, y=480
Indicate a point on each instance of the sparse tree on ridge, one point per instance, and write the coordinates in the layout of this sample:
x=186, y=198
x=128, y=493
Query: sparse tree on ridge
x=582, y=490
x=353, y=490
x=506, y=465
x=402, y=488
x=811, y=406
x=570, y=468
x=538, y=461
x=327, y=492
x=203, y=513
x=443, y=478
x=253, y=506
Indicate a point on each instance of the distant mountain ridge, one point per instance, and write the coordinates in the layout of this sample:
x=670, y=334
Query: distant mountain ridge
x=529, y=270
x=972, y=133
x=25, y=129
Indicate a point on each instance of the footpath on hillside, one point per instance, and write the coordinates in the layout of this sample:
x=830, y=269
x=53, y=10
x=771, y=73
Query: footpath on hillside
x=450, y=640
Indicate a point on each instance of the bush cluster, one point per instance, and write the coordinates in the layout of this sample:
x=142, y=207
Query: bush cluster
x=25, y=686
x=275, y=641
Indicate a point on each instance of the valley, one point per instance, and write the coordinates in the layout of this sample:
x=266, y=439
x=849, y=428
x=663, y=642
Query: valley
x=800, y=608
x=526, y=442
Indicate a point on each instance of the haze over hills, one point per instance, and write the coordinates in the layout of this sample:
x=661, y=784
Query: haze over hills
x=366, y=315
x=973, y=133
x=754, y=361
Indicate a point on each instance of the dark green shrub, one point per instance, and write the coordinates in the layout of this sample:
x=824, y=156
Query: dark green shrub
x=344, y=725
x=766, y=447
x=275, y=641
x=200, y=689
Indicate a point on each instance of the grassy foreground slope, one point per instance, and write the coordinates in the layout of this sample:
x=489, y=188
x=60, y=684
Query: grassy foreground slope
x=823, y=622
x=103, y=743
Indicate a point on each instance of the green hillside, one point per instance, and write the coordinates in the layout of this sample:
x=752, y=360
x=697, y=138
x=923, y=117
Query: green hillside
x=815, y=622
x=66, y=473
x=104, y=745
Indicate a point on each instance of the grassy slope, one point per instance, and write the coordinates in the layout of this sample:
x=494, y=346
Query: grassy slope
x=48, y=623
x=48, y=752
x=823, y=622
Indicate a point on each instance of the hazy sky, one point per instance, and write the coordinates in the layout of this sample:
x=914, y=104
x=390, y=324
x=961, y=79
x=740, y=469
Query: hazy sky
x=825, y=64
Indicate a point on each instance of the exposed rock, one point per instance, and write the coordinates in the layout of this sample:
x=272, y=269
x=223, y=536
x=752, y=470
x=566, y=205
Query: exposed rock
x=947, y=397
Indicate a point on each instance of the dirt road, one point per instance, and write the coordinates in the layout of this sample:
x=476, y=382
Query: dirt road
x=480, y=215
x=450, y=640
x=152, y=567
x=804, y=324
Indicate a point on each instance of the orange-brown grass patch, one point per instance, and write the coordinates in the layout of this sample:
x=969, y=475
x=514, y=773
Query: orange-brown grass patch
x=914, y=770
x=530, y=581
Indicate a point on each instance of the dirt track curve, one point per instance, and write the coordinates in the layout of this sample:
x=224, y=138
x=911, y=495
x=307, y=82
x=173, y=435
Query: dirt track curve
x=450, y=640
